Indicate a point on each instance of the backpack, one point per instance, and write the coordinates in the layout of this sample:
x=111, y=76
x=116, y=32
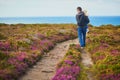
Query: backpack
x=86, y=19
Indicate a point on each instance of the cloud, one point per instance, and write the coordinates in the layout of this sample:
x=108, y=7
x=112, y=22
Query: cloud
x=57, y=7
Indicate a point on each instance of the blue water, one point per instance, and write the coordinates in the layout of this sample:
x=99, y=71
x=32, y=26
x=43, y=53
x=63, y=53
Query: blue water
x=94, y=20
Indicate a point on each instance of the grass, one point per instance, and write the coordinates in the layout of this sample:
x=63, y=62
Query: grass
x=72, y=59
x=22, y=45
x=103, y=43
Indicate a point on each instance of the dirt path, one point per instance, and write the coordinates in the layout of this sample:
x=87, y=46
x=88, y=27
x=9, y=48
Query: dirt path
x=87, y=62
x=45, y=68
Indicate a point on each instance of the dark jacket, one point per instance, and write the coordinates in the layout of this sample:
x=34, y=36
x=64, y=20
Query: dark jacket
x=82, y=20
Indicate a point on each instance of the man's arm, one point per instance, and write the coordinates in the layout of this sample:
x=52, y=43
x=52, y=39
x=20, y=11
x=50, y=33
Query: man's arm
x=77, y=19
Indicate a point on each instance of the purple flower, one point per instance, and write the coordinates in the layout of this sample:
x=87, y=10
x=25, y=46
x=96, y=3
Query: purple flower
x=41, y=36
x=115, y=52
x=21, y=56
x=110, y=77
x=67, y=73
x=19, y=66
x=33, y=48
x=77, y=46
x=5, y=46
x=68, y=62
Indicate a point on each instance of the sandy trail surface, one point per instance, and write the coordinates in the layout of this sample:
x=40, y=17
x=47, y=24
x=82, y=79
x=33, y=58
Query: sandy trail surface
x=46, y=67
x=87, y=62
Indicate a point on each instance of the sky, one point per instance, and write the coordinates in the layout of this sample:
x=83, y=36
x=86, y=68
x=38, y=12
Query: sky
x=31, y=8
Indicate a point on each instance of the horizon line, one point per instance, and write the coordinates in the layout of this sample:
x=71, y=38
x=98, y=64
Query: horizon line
x=55, y=16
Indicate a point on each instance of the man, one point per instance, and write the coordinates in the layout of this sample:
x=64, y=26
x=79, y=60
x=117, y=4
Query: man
x=82, y=22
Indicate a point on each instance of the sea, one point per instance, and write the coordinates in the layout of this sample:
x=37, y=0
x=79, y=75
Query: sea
x=94, y=20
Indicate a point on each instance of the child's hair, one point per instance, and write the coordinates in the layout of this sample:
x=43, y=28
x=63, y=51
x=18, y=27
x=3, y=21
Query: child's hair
x=85, y=12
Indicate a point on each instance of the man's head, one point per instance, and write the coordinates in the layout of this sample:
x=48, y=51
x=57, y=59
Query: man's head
x=79, y=9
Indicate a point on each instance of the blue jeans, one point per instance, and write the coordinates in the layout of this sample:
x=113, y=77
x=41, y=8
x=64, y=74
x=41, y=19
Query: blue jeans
x=82, y=35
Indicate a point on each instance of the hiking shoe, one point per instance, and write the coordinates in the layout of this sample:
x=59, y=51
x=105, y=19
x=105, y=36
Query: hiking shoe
x=82, y=47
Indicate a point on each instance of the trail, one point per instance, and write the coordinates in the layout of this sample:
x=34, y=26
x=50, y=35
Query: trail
x=87, y=62
x=45, y=68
